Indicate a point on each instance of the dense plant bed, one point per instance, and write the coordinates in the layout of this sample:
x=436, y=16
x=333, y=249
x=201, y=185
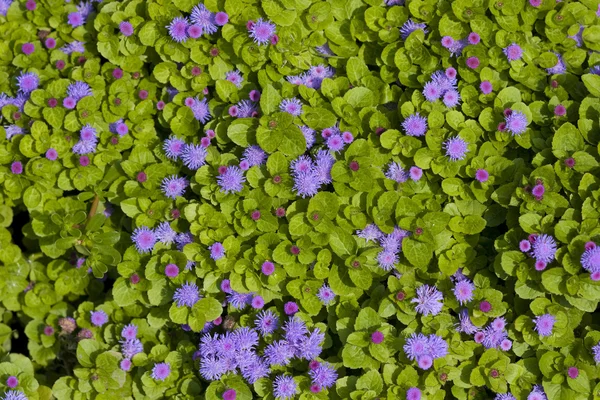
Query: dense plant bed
x=344, y=199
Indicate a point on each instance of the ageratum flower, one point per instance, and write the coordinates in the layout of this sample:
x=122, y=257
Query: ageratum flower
x=324, y=161
x=78, y=90
x=165, y=234
x=174, y=186
x=395, y=172
x=504, y=396
x=186, y=295
x=144, y=239
x=463, y=290
x=232, y=180
x=217, y=251
x=413, y=393
x=409, y=27
x=204, y=18
x=262, y=31
x=416, y=346
x=266, y=322
x=129, y=332
x=98, y=318
x=161, y=371
x=323, y=376
x=246, y=109
x=513, y=52
x=284, y=387
x=307, y=183
x=239, y=301
x=590, y=259
x=596, y=353
x=279, y=353
x=537, y=393
x=560, y=67
x=456, y=148
x=178, y=29
x=73, y=47
x=28, y=82
x=173, y=147
x=415, y=125
x=12, y=130
x=235, y=77
x=309, y=347
x=544, y=324
x=292, y=106
x=326, y=295
x=200, y=109
x=131, y=347
x=465, y=325
x=325, y=50
x=193, y=156
x=254, y=155
x=544, y=248
x=370, y=232
x=13, y=394
x=428, y=300
x=516, y=123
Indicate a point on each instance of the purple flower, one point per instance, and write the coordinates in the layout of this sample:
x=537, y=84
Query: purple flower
x=73, y=47
x=131, y=347
x=465, y=325
x=544, y=248
x=266, y=322
x=161, y=371
x=126, y=28
x=75, y=19
x=144, y=239
x=28, y=82
x=309, y=347
x=323, y=163
x=537, y=393
x=504, y=396
x=493, y=338
x=321, y=72
x=186, y=295
x=193, y=156
x=428, y=300
x=544, y=324
x=245, y=338
x=178, y=29
x=325, y=294
x=456, y=148
x=325, y=50
x=173, y=147
x=204, y=18
x=595, y=70
x=457, y=47
x=444, y=80
x=409, y=27
x=513, y=52
x=217, y=251
x=387, y=259
x=590, y=259
x=165, y=234
x=559, y=68
x=451, y=98
x=232, y=180
x=323, y=376
x=396, y=173
x=413, y=394
x=415, y=125
x=13, y=394
x=221, y=18
x=596, y=353
x=309, y=135
x=262, y=31
x=516, y=123
x=235, y=77
x=432, y=91
x=486, y=87
x=246, y=109
x=416, y=346
x=129, y=332
x=370, y=233
x=279, y=353
x=211, y=368
x=174, y=186
x=200, y=109
x=284, y=387
x=335, y=143
x=482, y=175
x=182, y=239
x=292, y=106
x=306, y=183
x=436, y=346
x=239, y=301
x=98, y=318
x=463, y=290
x=254, y=155
x=78, y=90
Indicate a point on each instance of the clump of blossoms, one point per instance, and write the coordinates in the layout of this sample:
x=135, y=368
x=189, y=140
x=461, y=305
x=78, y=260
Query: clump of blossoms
x=443, y=85
x=425, y=349
x=314, y=77
x=542, y=248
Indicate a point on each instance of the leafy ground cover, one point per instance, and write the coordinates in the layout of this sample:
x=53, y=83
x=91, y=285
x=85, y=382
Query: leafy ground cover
x=300, y=199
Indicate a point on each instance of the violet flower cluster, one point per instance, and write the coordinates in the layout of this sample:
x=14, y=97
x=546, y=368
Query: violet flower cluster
x=425, y=349
x=314, y=77
x=542, y=248
x=455, y=47
x=309, y=175
x=443, y=85
x=590, y=260
x=253, y=352
x=200, y=22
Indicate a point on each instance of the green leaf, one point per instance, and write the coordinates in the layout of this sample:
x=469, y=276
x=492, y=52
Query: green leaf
x=592, y=83
x=367, y=318
x=342, y=243
x=417, y=253
x=87, y=350
x=567, y=138
x=270, y=100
